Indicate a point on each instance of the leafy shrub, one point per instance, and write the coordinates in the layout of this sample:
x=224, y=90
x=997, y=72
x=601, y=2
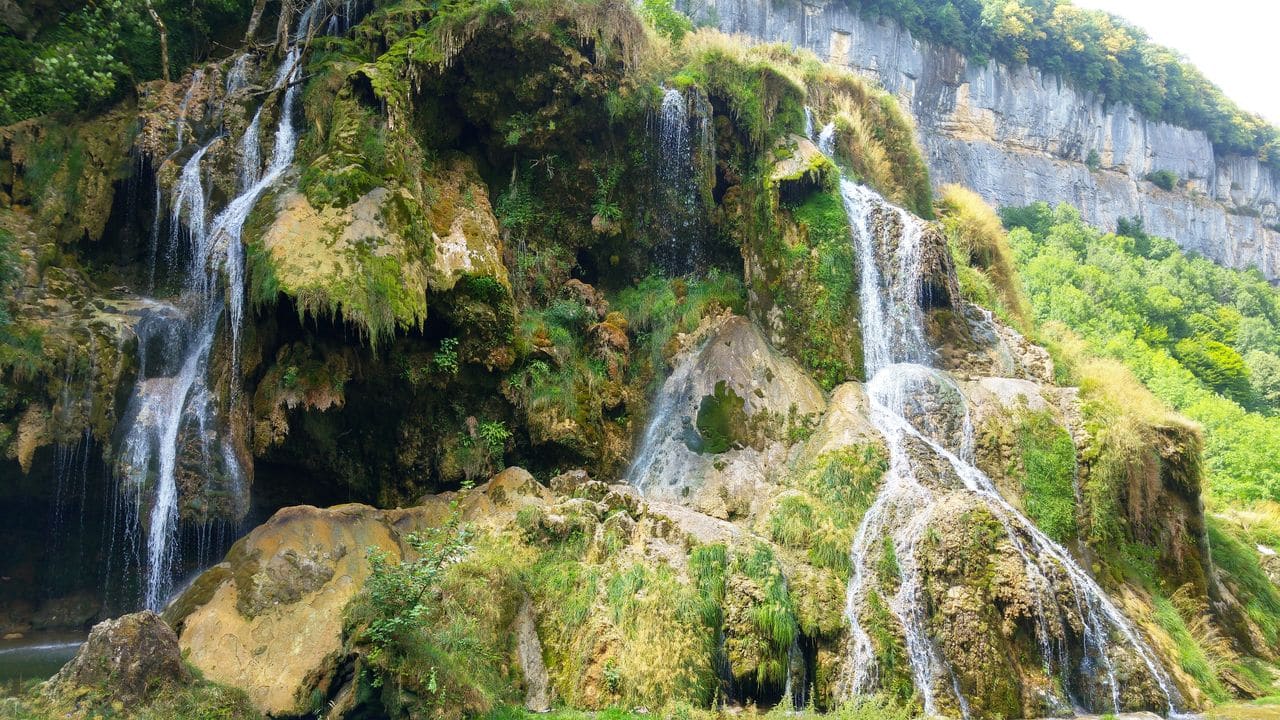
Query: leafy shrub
x=1163, y=179
x=1049, y=456
x=666, y=19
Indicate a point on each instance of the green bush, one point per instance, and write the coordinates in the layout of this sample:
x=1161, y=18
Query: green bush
x=666, y=19
x=1049, y=456
x=1163, y=179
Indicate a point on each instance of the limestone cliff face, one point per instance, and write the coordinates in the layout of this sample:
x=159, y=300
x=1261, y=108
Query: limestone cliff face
x=1017, y=135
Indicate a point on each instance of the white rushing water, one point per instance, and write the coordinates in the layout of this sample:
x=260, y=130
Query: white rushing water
x=827, y=139
x=174, y=416
x=925, y=421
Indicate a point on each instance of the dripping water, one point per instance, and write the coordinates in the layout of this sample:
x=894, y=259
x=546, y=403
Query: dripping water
x=827, y=139
x=677, y=193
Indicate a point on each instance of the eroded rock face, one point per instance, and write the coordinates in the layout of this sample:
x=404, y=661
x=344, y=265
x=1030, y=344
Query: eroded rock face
x=728, y=363
x=1017, y=135
x=130, y=658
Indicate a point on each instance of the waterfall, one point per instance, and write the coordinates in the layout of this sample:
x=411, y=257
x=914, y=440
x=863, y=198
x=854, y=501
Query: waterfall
x=808, y=122
x=925, y=421
x=174, y=418
x=647, y=471
x=827, y=139
x=677, y=191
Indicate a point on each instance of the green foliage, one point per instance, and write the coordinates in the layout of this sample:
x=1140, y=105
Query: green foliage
x=434, y=627
x=831, y=295
x=1264, y=376
x=980, y=248
x=1094, y=51
x=401, y=594
x=1093, y=161
x=1192, y=657
x=895, y=666
x=445, y=359
x=666, y=19
x=772, y=617
x=1182, y=324
x=92, y=53
x=1217, y=365
x=763, y=94
x=202, y=700
x=1239, y=568
x=1164, y=179
x=1049, y=457
x=657, y=308
x=831, y=495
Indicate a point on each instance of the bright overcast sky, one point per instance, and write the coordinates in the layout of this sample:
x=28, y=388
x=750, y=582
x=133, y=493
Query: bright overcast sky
x=1235, y=43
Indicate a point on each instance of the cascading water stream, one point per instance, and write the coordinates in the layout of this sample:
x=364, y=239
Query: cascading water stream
x=683, y=164
x=173, y=408
x=827, y=139
x=888, y=244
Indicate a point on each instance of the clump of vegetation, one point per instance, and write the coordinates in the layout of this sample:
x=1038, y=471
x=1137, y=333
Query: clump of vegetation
x=1202, y=653
x=75, y=57
x=1166, y=180
x=1049, y=458
x=761, y=623
x=201, y=700
x=984, y=261
x=765, y=94
x=830, y=495
x=875, y=139
x=657, y=309
x=722, y=421
x=434, y=624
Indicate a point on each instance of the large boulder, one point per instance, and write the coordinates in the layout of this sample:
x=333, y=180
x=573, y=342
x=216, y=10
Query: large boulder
x=270, y=617
x=129, y=658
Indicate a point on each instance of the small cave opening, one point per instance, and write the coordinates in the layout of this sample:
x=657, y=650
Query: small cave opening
x=133, y=252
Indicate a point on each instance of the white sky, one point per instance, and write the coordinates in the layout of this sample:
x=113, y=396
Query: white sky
x=1235, y=43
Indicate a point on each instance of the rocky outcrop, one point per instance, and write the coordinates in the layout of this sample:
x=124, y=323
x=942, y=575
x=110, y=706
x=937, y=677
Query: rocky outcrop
x=722, y=418
x=131, y=658
x=268, y=618
x=1017, y=135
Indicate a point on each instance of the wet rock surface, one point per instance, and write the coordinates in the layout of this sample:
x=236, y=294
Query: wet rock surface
x=130, y=658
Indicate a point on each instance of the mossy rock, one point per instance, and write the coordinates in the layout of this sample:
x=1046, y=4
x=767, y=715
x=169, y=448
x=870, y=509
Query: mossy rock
x=801, y=269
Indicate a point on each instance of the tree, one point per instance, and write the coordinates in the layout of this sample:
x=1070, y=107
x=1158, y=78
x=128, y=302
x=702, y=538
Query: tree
x=1264, y=376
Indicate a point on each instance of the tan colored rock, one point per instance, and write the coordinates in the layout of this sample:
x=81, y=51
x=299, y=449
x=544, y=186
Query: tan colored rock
x=464, y=230
x=272, y=614
x=845, y=423
x=776, y=393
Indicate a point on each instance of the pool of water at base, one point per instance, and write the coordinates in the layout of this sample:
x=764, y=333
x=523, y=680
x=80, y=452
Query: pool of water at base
x=36, y=656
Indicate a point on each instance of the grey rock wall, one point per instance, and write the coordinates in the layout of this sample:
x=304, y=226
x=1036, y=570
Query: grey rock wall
x=1017, y=135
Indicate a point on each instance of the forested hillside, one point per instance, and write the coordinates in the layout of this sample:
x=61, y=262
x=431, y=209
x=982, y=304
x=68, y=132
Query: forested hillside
x=1202, y=337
